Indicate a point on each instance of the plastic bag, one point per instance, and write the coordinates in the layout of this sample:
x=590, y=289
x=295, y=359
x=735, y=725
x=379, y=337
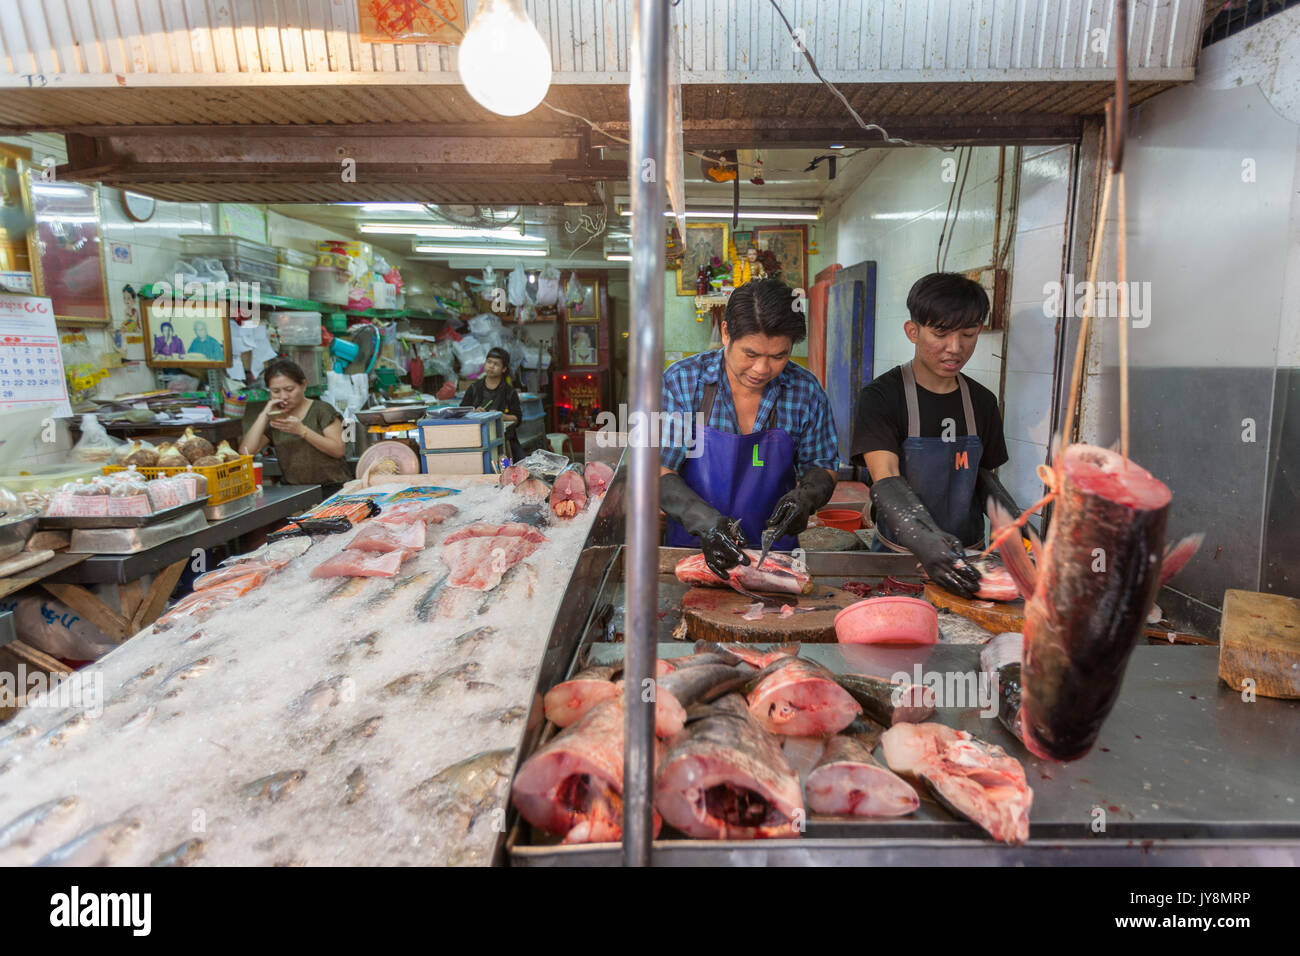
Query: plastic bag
x=517, y=286
x=53, y=627
x=544, y=464
x=574, y=293
x=471, y=353
x=487, y=329
x=548, y=286
x=95, y=444
x=536, y=357
x=347, y=393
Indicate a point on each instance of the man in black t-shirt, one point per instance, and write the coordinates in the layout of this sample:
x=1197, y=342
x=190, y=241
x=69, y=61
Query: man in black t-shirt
x=930, y=437
x=494, y=393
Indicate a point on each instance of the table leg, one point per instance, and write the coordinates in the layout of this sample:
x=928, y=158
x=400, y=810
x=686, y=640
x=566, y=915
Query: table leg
x=129, y=596
x=115, y=625
x=161, y=589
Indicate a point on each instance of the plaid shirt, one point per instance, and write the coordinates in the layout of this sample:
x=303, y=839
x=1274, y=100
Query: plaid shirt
x=794, y=402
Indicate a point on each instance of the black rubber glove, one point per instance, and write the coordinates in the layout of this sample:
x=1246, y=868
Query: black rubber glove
x=939, y=552
x=791, y=514
x=987, y=486
x=722, y=546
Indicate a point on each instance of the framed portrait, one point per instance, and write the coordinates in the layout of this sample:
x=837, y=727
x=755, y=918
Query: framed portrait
x=704, y=240
x=584, y=348
x=789, y=245
x=186, y=335
x=65, y=250
x=588, y=310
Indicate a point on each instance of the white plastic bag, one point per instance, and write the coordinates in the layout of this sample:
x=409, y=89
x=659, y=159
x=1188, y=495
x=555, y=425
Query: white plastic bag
x=471, y=353
x=347, y=393
x=53, y=627
x=486, y=328
x=548, y=286
x=517, y=286
x=574, y=293
x=95, y=444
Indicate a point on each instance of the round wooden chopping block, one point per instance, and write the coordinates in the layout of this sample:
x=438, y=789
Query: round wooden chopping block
x=1002, y=616
x=715, y=614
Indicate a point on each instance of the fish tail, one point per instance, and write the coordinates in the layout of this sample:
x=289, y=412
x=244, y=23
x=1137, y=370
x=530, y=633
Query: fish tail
x=1013, y=553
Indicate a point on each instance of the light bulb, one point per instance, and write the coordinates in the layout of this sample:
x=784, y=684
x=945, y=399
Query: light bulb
x=503, y=61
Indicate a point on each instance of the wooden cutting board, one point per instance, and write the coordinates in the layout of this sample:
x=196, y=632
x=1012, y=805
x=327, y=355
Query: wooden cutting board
x=1259, y=640
x=715, y=614
x=1009, y=616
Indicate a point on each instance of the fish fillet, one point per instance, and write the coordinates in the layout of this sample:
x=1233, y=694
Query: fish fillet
x=479, y=554
x=430, y=512
x=383, y=538
x=360, y=564
x=778, y=574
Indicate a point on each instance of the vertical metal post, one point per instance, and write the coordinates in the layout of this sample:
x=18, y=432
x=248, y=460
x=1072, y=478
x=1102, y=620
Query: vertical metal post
x=648, y=95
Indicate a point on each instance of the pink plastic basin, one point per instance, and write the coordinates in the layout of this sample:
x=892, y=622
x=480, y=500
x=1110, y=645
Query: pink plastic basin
x=888, y=620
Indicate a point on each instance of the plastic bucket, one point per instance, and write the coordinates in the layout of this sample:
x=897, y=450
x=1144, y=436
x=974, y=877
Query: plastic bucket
x=846, y=519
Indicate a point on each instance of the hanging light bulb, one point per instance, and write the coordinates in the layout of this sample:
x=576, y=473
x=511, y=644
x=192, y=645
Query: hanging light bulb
x=504, y=62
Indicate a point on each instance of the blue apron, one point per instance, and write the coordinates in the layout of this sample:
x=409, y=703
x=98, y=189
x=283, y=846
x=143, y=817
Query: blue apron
x=942, y=473
x=742, y=476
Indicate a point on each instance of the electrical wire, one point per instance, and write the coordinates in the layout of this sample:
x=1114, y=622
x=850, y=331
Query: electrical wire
x=956, y=213
x=938, y=251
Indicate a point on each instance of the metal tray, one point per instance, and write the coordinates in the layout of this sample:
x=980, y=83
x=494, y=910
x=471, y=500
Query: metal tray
x=74, y=522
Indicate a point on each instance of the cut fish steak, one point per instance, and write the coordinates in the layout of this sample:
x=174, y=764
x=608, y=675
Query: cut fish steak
x=597, y=475
x=726, y=778
x=801, y=698
x=383, y=538
x=849, y=781
x=889, y=702
x=974, y=779
x=569, y=493
x=360, y=564
x=567, y=703
x=996, y=582
x=479, y=554
x=696, y=684
x=778, y=574
x=573, y=786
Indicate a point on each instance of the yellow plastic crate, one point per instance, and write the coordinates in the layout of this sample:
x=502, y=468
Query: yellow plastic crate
x=226, y=482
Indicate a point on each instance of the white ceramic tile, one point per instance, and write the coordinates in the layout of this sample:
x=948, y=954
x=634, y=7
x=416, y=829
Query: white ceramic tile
x=1020, y=475
x=1044, y=190
x=1028, y=406
x=1031, y=340
x=1036, y=260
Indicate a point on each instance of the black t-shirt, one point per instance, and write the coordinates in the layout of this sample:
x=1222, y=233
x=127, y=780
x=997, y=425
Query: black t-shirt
x=503, y=398
x=880, y=419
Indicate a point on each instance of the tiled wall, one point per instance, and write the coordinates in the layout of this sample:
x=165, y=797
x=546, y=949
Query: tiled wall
x=895, y=218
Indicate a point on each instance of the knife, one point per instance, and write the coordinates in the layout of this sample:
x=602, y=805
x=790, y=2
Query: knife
x=767, y=539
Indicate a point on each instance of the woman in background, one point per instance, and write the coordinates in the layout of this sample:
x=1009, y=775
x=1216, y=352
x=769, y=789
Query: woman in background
x=307, y=434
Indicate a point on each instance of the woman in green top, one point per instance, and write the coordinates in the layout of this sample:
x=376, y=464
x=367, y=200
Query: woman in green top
x=307, y=434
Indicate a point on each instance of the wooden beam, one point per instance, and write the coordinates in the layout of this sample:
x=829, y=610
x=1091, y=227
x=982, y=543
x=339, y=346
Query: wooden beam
x=156, y=599
x=115, y=625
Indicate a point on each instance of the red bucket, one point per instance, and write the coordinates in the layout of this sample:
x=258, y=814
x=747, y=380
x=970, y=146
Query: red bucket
x=846, y=519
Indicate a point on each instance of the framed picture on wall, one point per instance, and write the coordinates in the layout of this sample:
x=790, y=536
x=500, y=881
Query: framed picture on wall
x=789, y=245
x=583, y=348
x=704, y=240
x=185, y=336
x=65, y=250
x=588, y=310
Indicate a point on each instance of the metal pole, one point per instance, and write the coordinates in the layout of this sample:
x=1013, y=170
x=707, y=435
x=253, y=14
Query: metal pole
x=648, y=95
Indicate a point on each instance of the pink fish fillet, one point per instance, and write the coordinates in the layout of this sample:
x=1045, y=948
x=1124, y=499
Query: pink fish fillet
x=480, y=553
x=974, y=779
x=514, y=475
x=573, y=786
x=777, y=574
x=388, y=537
x=800, y=698
x=360, y=564
x=404, y=512
x=598, y=475
x=569, y=493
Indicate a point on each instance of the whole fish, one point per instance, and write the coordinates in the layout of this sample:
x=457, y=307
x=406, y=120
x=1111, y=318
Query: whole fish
x=100, y=846
x=471, y=639
x=356, y=784
x=46, y=823
x=801, y=698
x=182, y=855
x=849, y=781
x=887, y=702
x=725, y=778
x=973, y=779
x=573, y=786
x=777, y=575
x=1087, y=602
x=466, y=790
x=273, y=787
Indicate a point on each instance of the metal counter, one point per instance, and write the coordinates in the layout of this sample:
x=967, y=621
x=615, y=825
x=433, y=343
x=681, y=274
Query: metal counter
x=272, y=505
x=1184, y=772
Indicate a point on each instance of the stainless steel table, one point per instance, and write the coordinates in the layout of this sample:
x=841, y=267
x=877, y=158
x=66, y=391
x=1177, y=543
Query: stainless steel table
x=272, y=505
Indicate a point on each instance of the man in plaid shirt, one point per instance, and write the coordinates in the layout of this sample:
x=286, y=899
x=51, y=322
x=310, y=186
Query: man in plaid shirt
x=766, y=454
